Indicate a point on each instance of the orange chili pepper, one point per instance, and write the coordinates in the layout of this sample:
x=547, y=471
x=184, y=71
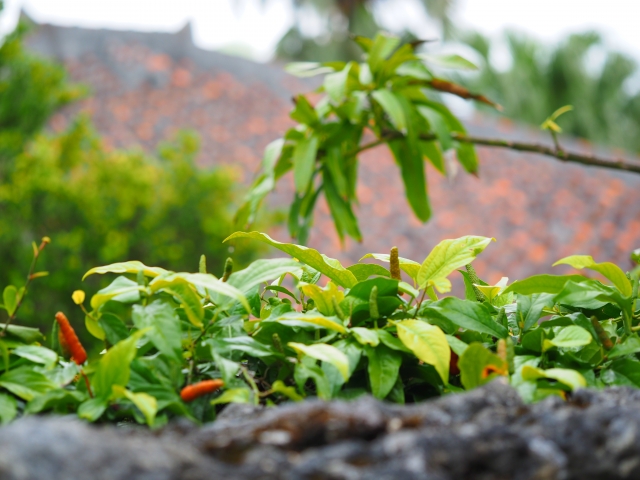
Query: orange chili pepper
x=489, y=369
x=191, y=392
x=69, y=340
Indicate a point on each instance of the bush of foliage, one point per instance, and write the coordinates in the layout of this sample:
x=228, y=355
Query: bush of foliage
x=100, y=205
x=186, y=343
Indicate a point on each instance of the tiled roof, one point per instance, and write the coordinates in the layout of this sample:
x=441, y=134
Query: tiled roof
x=148, y=85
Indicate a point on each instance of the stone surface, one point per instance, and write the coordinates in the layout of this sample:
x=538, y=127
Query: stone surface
x=485, y=434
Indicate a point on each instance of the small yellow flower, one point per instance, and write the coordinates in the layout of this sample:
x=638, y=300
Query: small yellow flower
x=78, y=297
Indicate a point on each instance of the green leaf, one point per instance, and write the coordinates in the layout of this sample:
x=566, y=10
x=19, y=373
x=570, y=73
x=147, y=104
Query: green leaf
x=477, y=364
x=289, y=392
x=383, y=45
x=243, y=344
x=132, y=266
x=228, y=369
x=233, y=395
x=362, y=271
x=93, y=408
x=322, y=297
x=55, y=398
x=37, y=354
x=163, y=325
x=304, y=371
x=304, y=111
x=409, y=267
x=204, y=280
x=366, y=336
x=569, y=337
x=120, y=290
x=448, y=256
x=383, y=369
x=568, y=377
x=94, y=328
x=542, y=284
x=392, y=106
x=456, y=345
x=467, y=156
x=590, y=294
x=629, y=346
x=629, y=369
x=409, y=156
x=428, y=343
x=307, y=69
x=25, y=334
x=335, y=84
x=392, y=342
x=262, y=271
x=189, y=301
x=10, y=299
x=25, y=382
x=304, y=160
x=329, y=267
x=529, y=308
x=450, y=61
x=114, y=367
x=607, y=269
x=467, y=314
x=431, y=150
x=114, y=329
x=8, y=408
x=325, y=353
x=296, y=319
x=147, y=404
x=341, y=211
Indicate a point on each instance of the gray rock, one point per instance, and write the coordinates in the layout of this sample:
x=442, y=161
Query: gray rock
x=485, y=434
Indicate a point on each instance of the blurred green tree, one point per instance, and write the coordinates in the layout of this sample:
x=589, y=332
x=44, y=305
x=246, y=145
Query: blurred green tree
x=334, y=20
x=579, y=71
x=97, y=204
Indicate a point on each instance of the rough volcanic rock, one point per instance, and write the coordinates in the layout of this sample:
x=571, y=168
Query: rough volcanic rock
x=485, y=434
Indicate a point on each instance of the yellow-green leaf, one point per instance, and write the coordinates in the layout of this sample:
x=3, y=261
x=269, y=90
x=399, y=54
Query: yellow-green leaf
x=133, y=266
x=607, y=269
x=329, y=267
x=322, y=296
x=428, y=343
x=409, y=267
x=299, y=319
x=569, y=377
x=448, y=256
x=325, y=353
x=147, y=404
x=365, y=336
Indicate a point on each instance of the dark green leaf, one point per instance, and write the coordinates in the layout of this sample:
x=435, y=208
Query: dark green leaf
x=384, y=365
x=467, y=314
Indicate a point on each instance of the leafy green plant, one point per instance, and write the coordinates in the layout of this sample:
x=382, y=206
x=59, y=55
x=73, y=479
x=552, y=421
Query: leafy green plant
x=284, y=329
x=392, y=98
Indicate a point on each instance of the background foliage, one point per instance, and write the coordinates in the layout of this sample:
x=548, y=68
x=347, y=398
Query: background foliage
x=97, y=204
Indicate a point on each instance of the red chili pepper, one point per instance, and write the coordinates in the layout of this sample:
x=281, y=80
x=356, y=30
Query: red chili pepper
x=69, y=340
x=191, y=392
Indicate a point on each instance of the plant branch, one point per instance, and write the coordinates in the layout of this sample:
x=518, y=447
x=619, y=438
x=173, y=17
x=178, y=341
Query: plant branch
x=591, y=160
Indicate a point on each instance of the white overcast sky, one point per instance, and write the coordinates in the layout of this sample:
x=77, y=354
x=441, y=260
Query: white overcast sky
x=259, y=24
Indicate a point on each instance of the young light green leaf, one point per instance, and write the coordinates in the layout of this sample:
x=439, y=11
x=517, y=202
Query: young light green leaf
x=428, y=343
x=607, y=269
x=325, y=353
x=456, y=345
x=365, y=336
x=569, y=377
x=296, y=319
x=289, y=392
x=233, y=395
x=93, y=408
x=529, y=308
x=10, y=299
x=307, y=69
x=448, y=256
x=629, y=346
x=568, y=337
x=363, y=271
x=409, y=267
x=322, y=297
x=132, y=266
x=383, y=368
x=147, y=404
x=383, y=45
x=121, y=290
x=329, y=267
